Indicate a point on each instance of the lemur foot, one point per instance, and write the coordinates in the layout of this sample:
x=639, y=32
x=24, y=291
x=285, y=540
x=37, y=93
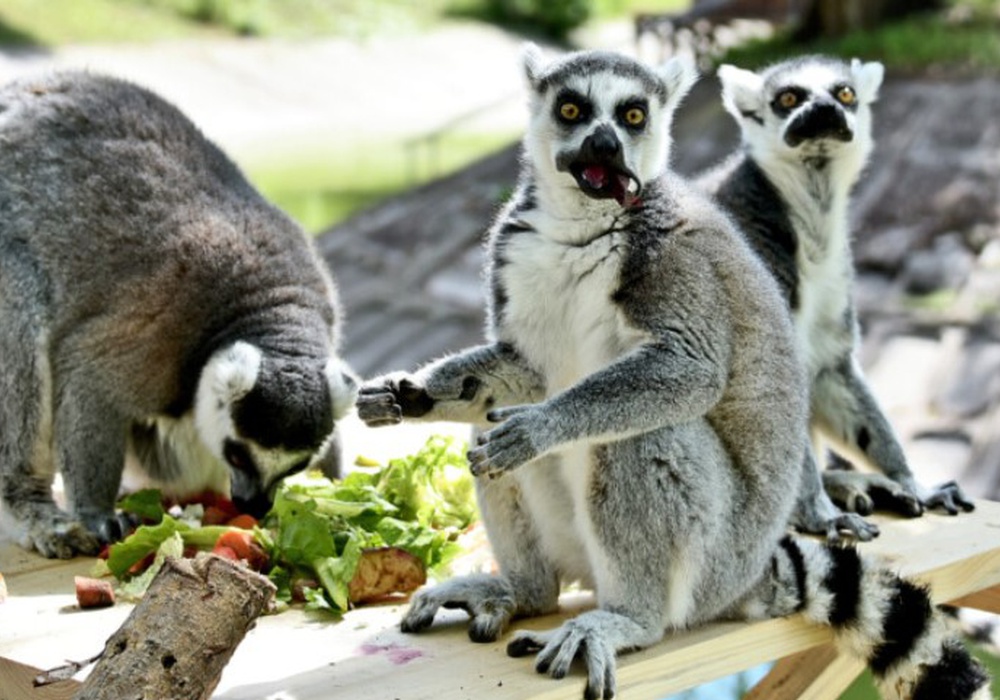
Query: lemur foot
x=950, y=497
x=57, y=536
x=584, y=637
x=838, y=527
x=488, y=600
x=863, y=493
x=109, y=528
x=521, y=436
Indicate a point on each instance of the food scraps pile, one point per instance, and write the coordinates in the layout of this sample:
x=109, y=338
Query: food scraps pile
x=329, y=544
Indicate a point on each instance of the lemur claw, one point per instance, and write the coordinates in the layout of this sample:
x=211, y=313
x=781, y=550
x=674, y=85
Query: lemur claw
x=507, y=446
x=556, y=649
x=487, y=599
x=377, y=405
x=950, y=497
x=864, y=493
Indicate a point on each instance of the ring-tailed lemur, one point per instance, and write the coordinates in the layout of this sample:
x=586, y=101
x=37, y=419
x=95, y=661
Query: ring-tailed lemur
x=806, y=126
x=153, y=307
x=652, y=409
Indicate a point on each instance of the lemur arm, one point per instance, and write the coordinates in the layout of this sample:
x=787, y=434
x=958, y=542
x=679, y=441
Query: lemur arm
x=462, y=387
x=674, y=379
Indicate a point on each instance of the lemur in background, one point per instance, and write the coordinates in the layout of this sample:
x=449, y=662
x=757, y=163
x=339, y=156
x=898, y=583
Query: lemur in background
x=153, y=308
x=806, y=127
x=648, y=407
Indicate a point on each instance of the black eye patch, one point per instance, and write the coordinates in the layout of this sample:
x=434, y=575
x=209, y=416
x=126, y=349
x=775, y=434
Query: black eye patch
x=633, y=114
x=788, y=99
x=238, y=457
x=572, y=108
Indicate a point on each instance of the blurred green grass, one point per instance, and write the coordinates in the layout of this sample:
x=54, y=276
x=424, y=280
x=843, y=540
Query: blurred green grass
x=864, y=687
x=965, y=39
x=329, y=183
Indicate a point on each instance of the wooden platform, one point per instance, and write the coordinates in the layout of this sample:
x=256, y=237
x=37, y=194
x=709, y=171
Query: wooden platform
x=295, y=655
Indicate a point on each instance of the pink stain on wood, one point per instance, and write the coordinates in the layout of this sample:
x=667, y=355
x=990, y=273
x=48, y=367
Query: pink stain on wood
x=396, y=653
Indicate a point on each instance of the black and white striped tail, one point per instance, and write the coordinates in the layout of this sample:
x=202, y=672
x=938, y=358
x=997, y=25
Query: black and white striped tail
x=886, y=620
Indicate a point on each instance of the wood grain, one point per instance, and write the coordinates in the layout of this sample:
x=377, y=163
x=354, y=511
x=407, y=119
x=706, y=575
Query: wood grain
x=365, y=655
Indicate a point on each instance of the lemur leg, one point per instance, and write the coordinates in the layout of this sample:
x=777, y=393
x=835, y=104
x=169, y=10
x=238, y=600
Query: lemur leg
x=89, y=440
x=816, y=514
x=527, y=584
x=647, y=509
x=461, y=388
x=848, y=415
x=26, y=464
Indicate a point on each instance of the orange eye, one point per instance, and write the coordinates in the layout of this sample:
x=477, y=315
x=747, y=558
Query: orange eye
x=846, y=96
x=635, y=116
x=788, y=99
x=570, y=111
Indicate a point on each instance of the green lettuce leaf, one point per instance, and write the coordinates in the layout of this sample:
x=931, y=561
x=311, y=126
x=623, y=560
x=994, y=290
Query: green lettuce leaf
x=146, y=504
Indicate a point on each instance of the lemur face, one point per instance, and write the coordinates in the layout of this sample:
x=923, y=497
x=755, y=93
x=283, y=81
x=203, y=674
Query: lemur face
x=807, y=107
x=600, y=122
x=266, y=417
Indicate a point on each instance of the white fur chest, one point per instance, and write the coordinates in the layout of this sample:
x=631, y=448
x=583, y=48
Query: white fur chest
x=821, y=321
x=817, y=201
x=560, y=314
x=559, y=309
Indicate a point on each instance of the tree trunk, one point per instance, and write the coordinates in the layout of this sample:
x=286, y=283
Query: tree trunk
x=837, y=17
x=182, y=633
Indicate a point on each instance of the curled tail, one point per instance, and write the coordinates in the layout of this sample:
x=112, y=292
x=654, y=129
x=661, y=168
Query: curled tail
x=877, y=616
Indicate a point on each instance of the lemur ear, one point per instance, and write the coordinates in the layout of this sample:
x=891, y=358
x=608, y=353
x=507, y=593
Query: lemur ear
x=742, y=91
x=534, y=62
x=233, y=371
x=343, y=386
x=679, y=74
x=867, y=79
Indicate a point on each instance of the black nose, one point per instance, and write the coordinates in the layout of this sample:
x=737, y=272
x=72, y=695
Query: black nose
x=601, y=145
x=823, y=120
x=257, y=505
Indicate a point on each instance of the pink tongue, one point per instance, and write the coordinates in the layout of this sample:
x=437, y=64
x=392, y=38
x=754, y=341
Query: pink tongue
x=595, y=175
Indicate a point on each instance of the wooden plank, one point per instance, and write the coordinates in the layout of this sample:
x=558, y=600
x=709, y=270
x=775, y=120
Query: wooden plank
x=16, y=684
x=987, y=600
x=365, y=654
x=816, y=674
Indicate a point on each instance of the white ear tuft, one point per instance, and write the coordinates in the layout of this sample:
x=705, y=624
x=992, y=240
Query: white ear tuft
x=343, y=386
x=534, y=63
x=742, y=91
x=679, y=74
x=233, y=371
x=867, y=78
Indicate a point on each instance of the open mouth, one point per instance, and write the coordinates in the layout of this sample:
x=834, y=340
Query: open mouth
x=602, y=181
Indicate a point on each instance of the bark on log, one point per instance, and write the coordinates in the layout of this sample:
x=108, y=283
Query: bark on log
x=182, y=633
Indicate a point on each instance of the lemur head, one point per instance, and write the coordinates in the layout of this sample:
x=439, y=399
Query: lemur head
x=809, y=108
x=268, y=416
x=599, y=124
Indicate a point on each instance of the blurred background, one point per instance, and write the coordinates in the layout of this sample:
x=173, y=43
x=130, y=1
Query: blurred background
x=388, y=129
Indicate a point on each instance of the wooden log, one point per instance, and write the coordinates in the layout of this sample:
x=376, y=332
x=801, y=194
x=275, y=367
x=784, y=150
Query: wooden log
x=177, y=641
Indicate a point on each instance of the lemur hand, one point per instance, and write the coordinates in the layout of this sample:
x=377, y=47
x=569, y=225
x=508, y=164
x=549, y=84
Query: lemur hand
x=522, y=435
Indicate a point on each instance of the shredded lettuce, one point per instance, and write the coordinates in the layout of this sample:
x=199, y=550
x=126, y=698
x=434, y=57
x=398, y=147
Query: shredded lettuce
x=147, y=539
x=419, y=503
x=147, y=505
x=318, y=528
